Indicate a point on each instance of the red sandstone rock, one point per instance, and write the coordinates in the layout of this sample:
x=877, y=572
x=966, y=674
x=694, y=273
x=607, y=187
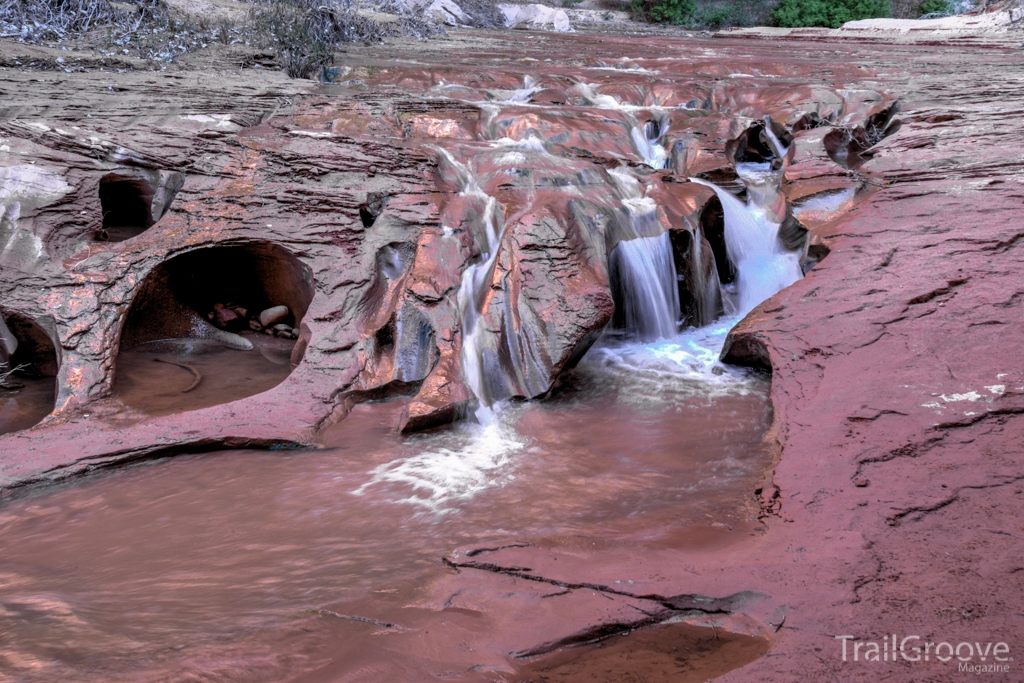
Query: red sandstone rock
x=225, y=318
x=896, y=381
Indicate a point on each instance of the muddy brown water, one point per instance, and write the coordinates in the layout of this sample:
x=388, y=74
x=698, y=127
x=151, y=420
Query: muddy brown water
x=675, y=653
x=29, y=402
x=214, y=566
x=148, y=380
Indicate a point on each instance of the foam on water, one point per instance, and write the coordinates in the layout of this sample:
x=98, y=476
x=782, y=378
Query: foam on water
x=453, y=466
x=450, y=468
x=670, y=371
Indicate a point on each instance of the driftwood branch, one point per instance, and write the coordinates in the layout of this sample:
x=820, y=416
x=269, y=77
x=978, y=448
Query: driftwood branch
x=5, y=374
x=195, y=373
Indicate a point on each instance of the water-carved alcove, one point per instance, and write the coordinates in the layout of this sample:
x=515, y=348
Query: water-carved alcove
x=211, y=326
x=133, y=200
x=28, y=373
x=852, y=147
x=712, y=226
x=755, y=146
x=700, y=296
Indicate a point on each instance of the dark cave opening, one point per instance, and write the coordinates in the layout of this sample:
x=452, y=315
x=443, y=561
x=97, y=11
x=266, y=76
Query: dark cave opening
x=712, y=225
x=253, y=277
x=199, y=315
x=28, y=390
x=126, y=204
x=133, y=200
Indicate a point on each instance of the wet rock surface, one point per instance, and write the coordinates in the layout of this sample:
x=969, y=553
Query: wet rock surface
x=896, y=388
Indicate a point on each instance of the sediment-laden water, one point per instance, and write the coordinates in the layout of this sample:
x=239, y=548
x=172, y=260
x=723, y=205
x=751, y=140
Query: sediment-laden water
x=206, y=567
x=28, y=401
x=177, y=375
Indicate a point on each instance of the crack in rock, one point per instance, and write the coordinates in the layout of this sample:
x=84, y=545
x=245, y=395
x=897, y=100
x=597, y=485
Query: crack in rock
x=689, y=602
x=923, y=510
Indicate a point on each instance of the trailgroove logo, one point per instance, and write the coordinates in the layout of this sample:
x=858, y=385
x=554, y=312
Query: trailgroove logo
x=975, y=658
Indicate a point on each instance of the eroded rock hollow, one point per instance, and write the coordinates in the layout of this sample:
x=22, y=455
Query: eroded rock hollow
x=458, y=236
x=264, y=264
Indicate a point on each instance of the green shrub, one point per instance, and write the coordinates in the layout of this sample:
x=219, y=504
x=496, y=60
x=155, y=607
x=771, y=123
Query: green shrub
x=827, y=13
x=941, y=7
x=665, y=11
x=722, y=16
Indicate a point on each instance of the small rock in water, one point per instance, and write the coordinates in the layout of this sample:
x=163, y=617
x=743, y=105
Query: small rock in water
x=255, y=326
x=240, y=312
x=717, y=371
x=268, y=330
x=274, y=314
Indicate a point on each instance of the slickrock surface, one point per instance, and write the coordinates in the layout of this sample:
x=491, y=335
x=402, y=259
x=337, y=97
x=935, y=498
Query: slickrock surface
x=894, y=505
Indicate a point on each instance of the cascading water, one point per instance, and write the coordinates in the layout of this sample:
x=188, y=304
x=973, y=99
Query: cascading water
x=641, y=266
x=473, y=286
x=474, y=456
x=707, y=288
x=645, y=276
x=587, y=90
x=521, y=95
x=646, y=138
x=779, y=149
x=478, y=455
x=763, y=266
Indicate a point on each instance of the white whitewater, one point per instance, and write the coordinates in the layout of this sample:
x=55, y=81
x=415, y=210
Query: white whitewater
x=645, y=273
x=455, y=466
x=524, y=94
x=439, y=473
x=763, y=266
x=778, y=148
x=588, y=91
x=646, y=139
x=473, y=287
x=449, y=468
x=642, y=268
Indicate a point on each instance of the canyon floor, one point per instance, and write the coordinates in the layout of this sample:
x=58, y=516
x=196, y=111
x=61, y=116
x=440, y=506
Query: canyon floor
x=891, y=506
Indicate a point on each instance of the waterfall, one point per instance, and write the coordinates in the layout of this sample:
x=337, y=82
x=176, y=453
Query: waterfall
x=476, y=280
x=779, y=149
x=646, y=138
x=473, y=286
x=644, y=273
x=641, y=267
x=524, y=94
x=706, y=288
x=762, y=266
x=8, y=343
